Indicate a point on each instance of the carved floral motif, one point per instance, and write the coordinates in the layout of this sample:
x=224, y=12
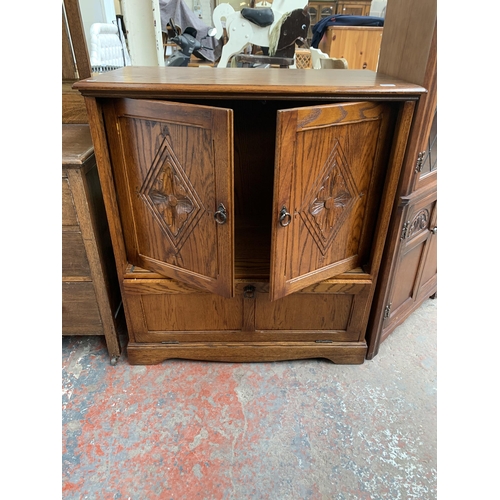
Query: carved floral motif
x=333, y=194
x=419, y=222
x=169, y=194
x=330, y=200
x=170, y=198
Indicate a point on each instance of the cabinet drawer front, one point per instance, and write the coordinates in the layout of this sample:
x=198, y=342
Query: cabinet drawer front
x=304, y=312
x=80, y=313
x=69, y=217
x=74, y=257
x=191, y=312
x=168, y=311
x=335, y=315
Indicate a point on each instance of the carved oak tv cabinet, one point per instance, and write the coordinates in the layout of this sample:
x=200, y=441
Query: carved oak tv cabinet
x=248, y=208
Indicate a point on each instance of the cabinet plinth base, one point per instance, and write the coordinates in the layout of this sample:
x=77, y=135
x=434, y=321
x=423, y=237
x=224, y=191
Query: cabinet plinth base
x=352, y=353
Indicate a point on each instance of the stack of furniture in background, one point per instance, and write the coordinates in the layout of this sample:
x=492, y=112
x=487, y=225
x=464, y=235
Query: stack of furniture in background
x=90, y=291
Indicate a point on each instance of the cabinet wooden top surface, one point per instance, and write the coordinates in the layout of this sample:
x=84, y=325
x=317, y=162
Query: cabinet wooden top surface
x=134, y=81
x=77, y=146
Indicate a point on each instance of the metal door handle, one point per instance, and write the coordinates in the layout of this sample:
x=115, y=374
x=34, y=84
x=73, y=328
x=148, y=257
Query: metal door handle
x=285, y=217
x=221, y=215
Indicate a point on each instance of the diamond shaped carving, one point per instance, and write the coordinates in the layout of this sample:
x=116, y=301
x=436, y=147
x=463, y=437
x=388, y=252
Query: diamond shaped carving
x=331, y=200
x=170, y=196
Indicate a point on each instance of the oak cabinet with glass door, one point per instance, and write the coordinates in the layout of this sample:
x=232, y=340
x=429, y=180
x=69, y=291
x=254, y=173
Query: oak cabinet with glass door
x=249, y=209
x=354, y=7
x=319, y=10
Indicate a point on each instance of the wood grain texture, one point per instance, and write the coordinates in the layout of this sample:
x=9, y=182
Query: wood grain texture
x=220, y=83
x=326, y=174
x=409, y=51
x=80, y=314
x=77, y=146
x=69, y=217
x=408, y=32
x=90, y=295
x=73, y=105
x=101, y=152
x=80, y=192
x=69, y=71
x=415, y=273
x=74, y=256
x=321, y=124
x=359, y=45
x=173, y=166
x=424, y=116
x=75, y=24
x=348, y=354
x=166, y=310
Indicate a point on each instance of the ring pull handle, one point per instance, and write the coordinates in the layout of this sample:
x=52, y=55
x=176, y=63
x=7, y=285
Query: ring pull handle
x=221, y=215
x=285, y=217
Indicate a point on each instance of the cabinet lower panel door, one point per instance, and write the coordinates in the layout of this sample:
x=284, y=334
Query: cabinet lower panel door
x=164, y=311
x=329, y=172
x=173, y=169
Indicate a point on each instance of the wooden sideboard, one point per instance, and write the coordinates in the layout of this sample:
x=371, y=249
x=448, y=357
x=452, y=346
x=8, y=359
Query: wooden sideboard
x=248, y=209
x=90, y=290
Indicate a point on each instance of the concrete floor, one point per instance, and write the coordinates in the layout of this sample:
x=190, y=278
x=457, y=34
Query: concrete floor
x=287, y=430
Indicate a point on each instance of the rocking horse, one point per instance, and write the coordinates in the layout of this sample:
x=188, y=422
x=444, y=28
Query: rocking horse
x=278, y=28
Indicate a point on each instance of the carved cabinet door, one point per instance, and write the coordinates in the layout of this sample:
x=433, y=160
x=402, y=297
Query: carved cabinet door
x=173, y=169
x=329, y=173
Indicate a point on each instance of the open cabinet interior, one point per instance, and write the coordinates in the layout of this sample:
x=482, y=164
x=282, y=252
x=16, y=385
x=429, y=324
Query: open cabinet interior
x=287, y=193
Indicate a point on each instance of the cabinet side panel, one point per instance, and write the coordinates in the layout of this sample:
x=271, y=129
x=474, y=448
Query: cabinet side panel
x=69, y=217
x=80, y=313
x=74, y=257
